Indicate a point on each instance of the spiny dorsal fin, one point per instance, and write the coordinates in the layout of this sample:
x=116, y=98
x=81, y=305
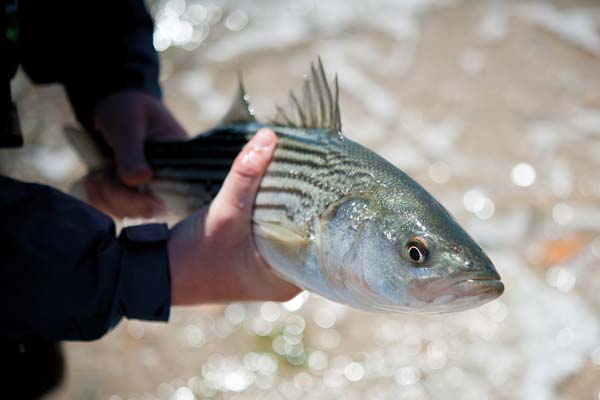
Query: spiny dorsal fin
x=241, y=110
x=318, y=107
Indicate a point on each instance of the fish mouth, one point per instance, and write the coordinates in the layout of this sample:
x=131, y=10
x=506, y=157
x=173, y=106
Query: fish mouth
x=481, y=285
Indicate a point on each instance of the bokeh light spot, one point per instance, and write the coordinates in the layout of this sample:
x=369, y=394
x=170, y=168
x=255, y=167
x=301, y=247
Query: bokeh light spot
x=523, y=175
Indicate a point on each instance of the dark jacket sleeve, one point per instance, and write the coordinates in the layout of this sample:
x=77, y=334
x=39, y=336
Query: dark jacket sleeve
x=64, y=275
x=94, y=48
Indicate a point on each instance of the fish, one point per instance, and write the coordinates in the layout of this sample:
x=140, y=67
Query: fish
x=330, y=216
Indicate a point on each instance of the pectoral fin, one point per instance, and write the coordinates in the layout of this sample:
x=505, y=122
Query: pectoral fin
x=277, y=232
x=283, y=246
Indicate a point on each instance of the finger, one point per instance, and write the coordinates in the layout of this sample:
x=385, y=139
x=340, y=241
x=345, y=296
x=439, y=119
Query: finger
x=120, y=201
x=164, y=126
x=132, y=168
x=236, y=197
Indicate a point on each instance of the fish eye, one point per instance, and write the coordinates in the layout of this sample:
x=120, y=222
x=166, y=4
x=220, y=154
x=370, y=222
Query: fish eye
x=417, y=250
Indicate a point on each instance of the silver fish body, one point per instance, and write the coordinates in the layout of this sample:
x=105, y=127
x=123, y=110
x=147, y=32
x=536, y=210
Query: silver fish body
x=335, y=218
x=332, y=216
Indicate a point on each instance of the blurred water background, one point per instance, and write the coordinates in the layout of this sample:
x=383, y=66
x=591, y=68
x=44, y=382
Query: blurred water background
x=494, y=106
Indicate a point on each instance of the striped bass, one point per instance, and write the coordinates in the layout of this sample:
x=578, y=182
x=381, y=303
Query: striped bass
x=332, y=216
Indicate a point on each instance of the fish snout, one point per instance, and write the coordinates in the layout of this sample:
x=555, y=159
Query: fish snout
x=483, y=284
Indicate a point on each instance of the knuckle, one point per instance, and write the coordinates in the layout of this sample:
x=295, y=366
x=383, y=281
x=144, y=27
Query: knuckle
x=225, y=218
x=246, y=173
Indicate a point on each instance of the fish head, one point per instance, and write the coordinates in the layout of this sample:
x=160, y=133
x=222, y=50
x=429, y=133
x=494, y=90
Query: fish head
x=443, y=268
x=408, y=255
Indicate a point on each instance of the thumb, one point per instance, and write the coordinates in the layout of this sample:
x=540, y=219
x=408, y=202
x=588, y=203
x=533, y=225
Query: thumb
x=236, y=197
x=132, y=168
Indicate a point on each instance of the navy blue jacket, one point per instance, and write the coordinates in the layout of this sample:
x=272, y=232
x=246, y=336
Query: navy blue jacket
x=64, y=274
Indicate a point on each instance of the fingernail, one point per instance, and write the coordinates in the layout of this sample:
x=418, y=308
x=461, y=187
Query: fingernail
x=263, y=139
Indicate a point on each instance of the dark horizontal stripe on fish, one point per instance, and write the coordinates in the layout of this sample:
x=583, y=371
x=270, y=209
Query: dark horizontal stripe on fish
x=294, y=147
x=201, y=146
x=302, y=178
x=353, y=170
x=289, y=190
x=344, y=167
x=270, y=206
x=298, y=162
x=342, y=161
x=333, y=162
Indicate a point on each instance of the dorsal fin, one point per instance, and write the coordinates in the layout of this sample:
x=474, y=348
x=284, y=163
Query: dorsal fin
x=318, y=107
x=240, y=110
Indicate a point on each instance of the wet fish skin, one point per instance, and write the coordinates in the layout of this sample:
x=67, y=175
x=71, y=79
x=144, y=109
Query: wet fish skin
x=335, y=218
x=330, y=215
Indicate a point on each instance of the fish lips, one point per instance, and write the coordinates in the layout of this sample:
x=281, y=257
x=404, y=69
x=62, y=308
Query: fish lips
x=484, y=285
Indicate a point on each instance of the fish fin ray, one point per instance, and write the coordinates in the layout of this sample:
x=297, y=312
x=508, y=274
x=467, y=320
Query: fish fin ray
x=285, y=120
x=307, y=101
x=318, y=106
x=298, y=108
x=337, y=120
x=328, y=101
x=240, y=110
x=280, y=232
x=316, y=83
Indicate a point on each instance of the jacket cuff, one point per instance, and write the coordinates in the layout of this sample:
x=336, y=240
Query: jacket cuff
x=146, y=282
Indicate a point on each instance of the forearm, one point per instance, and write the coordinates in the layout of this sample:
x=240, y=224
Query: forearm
x=66, y=276
x=117, y=54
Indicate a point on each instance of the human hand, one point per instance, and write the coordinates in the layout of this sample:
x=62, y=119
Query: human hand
x=212, y=253
x=108, y=194
x=126, y=120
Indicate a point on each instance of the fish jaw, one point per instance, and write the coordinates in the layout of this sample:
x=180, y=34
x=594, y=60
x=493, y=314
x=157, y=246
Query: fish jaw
x=458, y=291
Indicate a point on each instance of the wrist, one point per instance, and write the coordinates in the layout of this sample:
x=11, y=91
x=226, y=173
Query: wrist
x=184, y=248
